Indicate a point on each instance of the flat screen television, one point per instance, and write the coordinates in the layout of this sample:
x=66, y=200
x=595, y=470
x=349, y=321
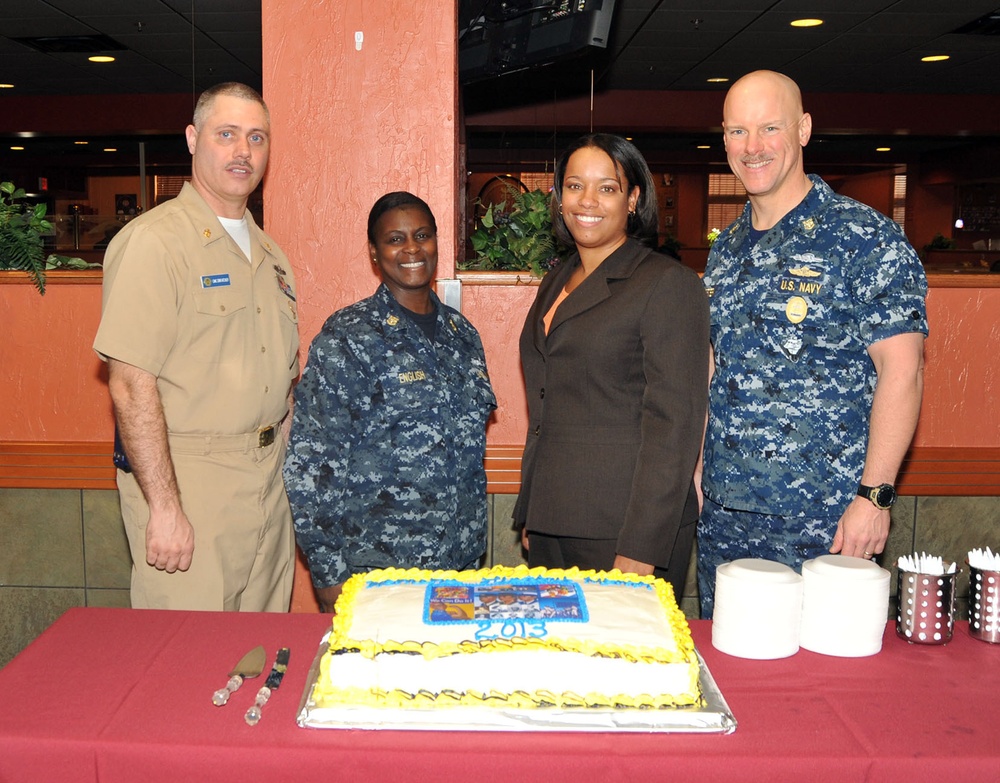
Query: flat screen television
x=496, y=37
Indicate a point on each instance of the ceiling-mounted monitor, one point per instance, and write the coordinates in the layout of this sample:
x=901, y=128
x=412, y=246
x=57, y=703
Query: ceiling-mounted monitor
x=502, y=36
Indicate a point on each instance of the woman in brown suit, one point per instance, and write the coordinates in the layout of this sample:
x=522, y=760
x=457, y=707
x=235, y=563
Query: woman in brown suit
x=615, y=358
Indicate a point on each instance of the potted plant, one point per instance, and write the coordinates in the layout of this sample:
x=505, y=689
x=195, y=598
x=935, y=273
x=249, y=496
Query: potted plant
x=516, y=235
x=21, y=230
x=22, y=247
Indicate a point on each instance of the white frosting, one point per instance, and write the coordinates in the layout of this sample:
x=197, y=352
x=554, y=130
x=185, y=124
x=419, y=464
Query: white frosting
x=621, y=614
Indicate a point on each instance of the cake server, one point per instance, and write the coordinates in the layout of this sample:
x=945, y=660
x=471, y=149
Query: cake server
x=273, y=681
x=250, y=665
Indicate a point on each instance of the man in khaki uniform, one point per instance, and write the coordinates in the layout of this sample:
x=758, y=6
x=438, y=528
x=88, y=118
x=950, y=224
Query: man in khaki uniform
x=199, y=329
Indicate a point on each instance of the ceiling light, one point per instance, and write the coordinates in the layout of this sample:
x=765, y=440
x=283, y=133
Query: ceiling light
x=81, y=142
x=704, y=147
x=717, y=79
x=883, y=149
x=111, y=149
x=17, y=148
x=101, y=58
x=5, y=86
x=807, y=23
x=935, y=58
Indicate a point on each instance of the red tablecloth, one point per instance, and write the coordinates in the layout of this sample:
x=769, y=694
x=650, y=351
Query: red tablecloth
x=125, y=695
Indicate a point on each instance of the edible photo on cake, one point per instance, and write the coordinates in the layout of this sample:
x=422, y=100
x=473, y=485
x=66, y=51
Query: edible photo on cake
x=457, y=603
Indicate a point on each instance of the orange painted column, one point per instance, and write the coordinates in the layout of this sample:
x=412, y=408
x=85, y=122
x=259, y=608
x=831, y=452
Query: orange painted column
x=363, y=100
x=351, y=121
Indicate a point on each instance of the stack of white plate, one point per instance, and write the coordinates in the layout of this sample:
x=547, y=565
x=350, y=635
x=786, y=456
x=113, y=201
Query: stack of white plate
x=757, y=609
x=845, y=604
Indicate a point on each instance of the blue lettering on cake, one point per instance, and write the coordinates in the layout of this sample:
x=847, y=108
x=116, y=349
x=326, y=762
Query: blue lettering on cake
x=510, y=629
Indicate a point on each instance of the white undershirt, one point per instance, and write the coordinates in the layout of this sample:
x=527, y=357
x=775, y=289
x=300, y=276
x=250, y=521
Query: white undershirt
x=239, y=231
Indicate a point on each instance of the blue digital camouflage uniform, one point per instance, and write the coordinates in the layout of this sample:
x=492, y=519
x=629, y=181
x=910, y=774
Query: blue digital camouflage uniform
x=792, y=317
x=385, y=462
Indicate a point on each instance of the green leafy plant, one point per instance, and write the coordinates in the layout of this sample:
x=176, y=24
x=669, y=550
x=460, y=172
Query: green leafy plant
x=21, y=228
x=516, y=235
x=940, y=242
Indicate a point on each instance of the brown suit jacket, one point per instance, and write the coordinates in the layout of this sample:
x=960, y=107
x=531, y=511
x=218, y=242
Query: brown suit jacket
x=617, y=394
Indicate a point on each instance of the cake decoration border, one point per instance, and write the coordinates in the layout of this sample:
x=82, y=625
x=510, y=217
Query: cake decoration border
x=340, y=642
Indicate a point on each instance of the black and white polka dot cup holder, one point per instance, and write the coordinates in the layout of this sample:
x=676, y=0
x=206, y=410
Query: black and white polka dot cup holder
x=926, y=613
x=984, y=605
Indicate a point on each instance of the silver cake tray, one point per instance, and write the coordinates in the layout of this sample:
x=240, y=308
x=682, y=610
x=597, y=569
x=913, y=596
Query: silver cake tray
x=713, y=717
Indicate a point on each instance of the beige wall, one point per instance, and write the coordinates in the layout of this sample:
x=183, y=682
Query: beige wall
x=66, y=547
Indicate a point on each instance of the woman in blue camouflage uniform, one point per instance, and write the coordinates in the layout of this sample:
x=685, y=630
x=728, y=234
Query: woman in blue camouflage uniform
x=385, y=462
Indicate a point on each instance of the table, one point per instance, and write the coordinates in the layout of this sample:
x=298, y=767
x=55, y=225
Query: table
x=125, y=695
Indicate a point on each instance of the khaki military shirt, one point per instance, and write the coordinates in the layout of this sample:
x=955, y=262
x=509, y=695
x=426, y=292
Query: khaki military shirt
x=220, y=333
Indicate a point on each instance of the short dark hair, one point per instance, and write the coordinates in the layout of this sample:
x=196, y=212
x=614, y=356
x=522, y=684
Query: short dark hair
x=232, y=89
x=643, y=223
x=394, y=200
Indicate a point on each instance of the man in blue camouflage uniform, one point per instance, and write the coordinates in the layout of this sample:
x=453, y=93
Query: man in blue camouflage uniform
x=818, y=321
x=385, y=462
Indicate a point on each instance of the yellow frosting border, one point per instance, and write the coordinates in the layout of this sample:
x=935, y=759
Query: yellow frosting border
x=330, y=695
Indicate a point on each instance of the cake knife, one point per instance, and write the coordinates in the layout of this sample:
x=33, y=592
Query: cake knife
x=273, y=681
x=250, y=665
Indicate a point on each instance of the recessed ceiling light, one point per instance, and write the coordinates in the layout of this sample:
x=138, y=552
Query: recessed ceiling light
x=81, y=142
x=101, y=58
x=704, y=147
x=935, y=58
x=717, y=79
x=806, y=23
x=6, y=86
x=883, y=149
x=17, y=148
x=111, y=149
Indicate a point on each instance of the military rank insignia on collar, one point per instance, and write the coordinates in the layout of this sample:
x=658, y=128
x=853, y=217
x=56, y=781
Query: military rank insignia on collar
x=392, y=320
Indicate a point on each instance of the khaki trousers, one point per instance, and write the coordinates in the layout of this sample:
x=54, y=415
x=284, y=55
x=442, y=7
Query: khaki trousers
x=244, y=544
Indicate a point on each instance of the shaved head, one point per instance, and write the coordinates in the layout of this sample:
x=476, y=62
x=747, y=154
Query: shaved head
x=764, y=130
x=772, y=83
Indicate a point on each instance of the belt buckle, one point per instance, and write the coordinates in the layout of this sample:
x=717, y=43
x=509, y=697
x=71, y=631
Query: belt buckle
x=265, y=437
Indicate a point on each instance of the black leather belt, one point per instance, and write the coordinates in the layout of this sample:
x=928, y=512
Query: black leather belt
x=265, y=437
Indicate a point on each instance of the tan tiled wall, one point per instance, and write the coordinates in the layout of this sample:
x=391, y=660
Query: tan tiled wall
x=61, y=548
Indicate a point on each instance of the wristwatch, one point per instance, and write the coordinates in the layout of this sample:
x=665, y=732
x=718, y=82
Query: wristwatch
x=883, y=496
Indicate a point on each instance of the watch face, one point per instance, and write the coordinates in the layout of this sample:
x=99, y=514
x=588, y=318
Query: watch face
x=885, y=496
